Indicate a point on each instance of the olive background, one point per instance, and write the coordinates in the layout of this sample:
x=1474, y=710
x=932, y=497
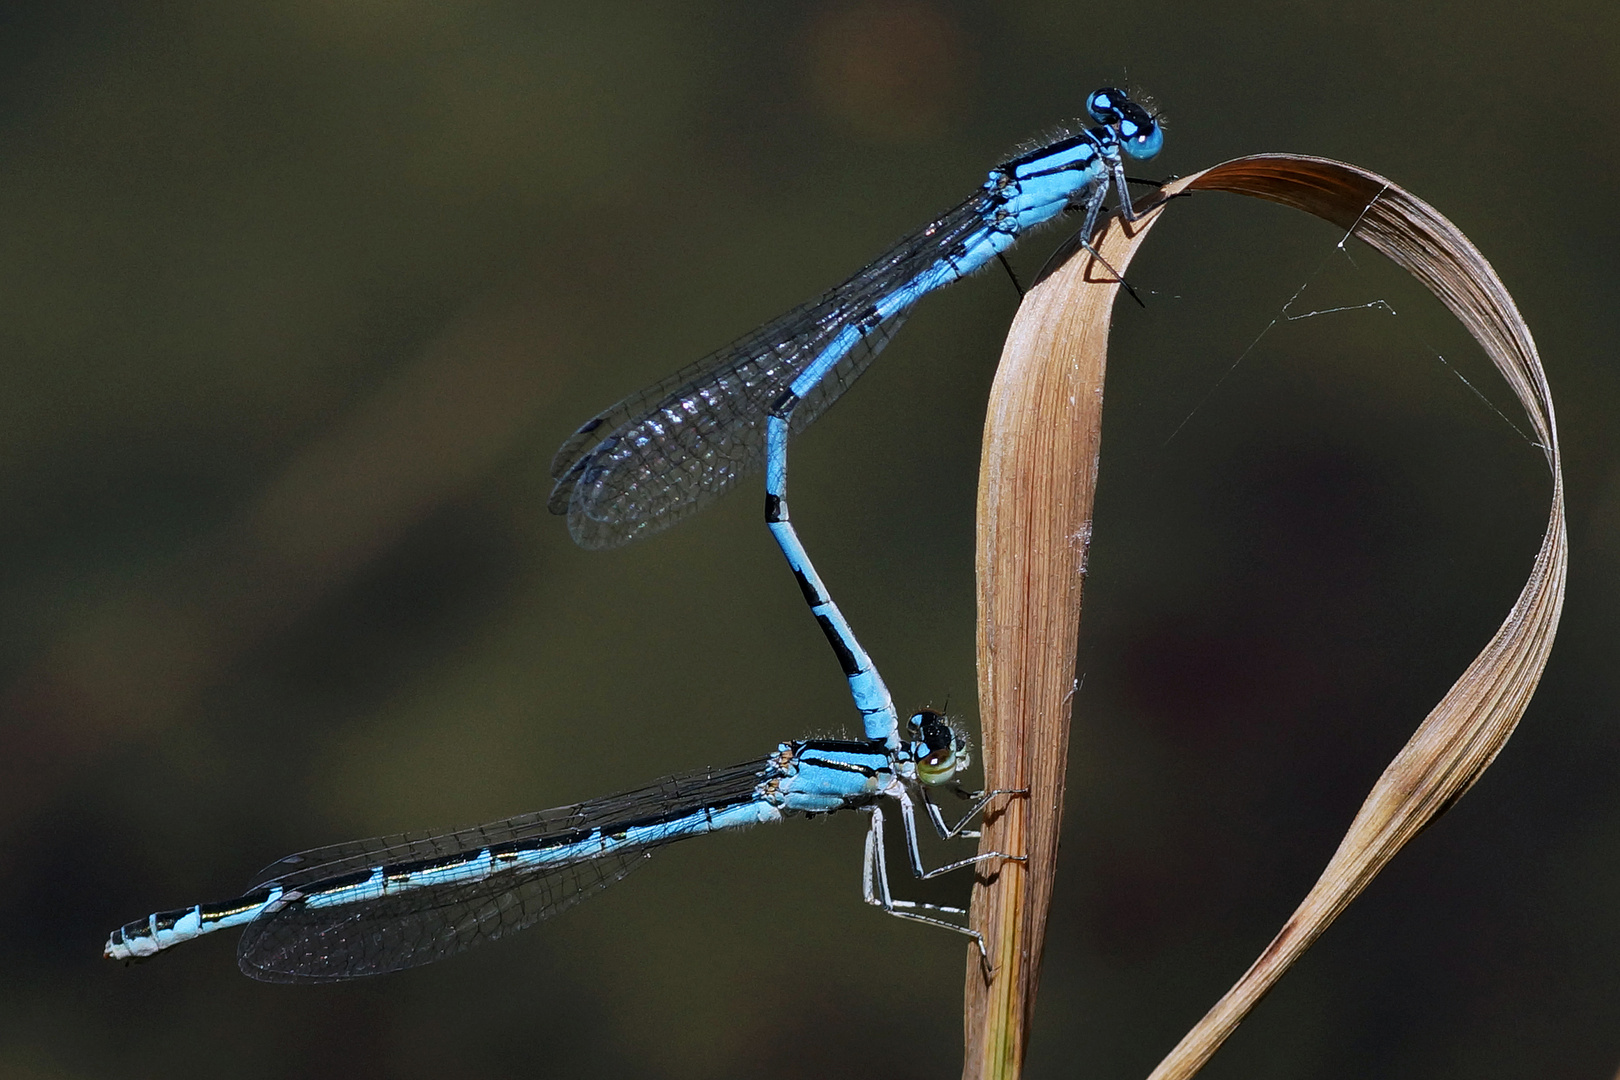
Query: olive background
x=298, y=298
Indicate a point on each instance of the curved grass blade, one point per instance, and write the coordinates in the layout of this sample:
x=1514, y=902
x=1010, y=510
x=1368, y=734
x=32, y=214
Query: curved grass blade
x=1039, y=465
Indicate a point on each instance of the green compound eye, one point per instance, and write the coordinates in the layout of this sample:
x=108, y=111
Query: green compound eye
x=940, y=767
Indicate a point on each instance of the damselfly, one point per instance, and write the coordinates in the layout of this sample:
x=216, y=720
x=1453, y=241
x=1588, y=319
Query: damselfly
x=660, y=454
x=374, y=906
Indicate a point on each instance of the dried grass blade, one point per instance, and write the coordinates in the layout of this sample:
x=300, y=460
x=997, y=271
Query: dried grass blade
x=1036, y=483
x=1463, y=734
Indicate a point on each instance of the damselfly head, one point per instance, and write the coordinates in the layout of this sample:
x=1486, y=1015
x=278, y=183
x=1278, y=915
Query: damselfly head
x=941, y=752
x=1140, y=135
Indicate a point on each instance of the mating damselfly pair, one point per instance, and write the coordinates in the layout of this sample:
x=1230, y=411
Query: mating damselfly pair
x=381, y=905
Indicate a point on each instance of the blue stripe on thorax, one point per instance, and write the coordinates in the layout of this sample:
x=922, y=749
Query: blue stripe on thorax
x=1076, y=155
x=829, y=775
x=1034, y=159
x=1040, y=198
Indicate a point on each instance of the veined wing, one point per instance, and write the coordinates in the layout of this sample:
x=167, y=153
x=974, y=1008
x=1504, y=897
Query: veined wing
x=660, y=454
x=452, y=891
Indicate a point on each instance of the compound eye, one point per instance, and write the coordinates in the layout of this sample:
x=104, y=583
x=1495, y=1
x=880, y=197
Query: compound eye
x=1140, y=135
x=939, y=767
x=1104, y=104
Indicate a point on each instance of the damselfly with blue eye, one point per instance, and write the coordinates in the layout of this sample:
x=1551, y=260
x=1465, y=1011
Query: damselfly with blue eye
x=658, y=455
x=374, y=906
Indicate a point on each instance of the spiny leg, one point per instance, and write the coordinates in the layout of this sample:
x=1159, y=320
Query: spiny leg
x=875, y=890
x=1093, y=208
x=981, y=799
x=908, y=819
x=1127, y=209
x=1007, y=266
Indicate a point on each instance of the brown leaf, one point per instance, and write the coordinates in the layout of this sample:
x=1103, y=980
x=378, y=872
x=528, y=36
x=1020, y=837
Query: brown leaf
x=1037, y=479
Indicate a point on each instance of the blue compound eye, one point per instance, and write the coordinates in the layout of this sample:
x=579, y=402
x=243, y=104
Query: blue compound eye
x=1104, y=104
x=1140, y=135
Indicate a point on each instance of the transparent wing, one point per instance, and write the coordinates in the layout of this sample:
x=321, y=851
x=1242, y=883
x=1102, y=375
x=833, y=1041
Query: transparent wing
x=301, y=943
x=304, y=944
x=660, y=454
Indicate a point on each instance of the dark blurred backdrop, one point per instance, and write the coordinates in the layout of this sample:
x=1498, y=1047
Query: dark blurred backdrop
x=299, y=297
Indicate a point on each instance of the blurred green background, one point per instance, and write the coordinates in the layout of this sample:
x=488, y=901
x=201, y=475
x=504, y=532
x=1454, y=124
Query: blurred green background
x=298, y=299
